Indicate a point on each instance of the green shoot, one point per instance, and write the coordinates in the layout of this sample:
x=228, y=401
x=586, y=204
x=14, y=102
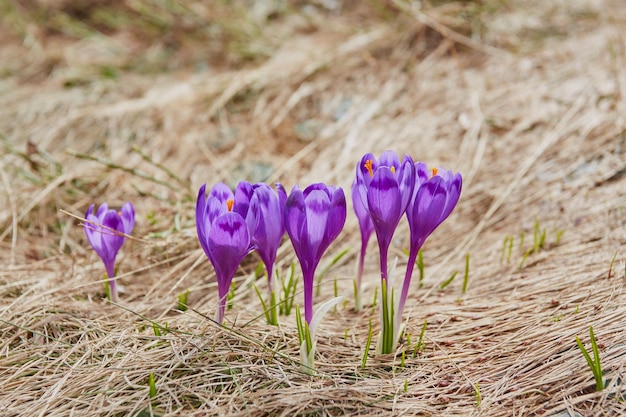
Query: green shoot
x=288, y=292
x=406, y=385
x=151, y=217
x=304, y=334
x=271, y=315
x=594, y=364
x=539, y=236
x=526, y=255
x=402, y=359
x=504, y=247
x=152, y=386
x=521, y=239
x=336, y=292
x=448, y=281
x=357, y=295
x=157, y=329
x=230, y=296
x=466, y=276
x=611, y=266
x=420, y=267
x=259, y=271
x=508, y=256
x=419, y=346
x=367, y=345
x=375, y=299
x=107, y=287
x=183, y=298
x=387, y=344
x=345, y=335
x=559, y=235
x=477, y=394
x=408, y=339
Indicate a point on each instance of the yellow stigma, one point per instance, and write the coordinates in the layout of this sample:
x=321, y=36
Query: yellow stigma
x=435, y=171
x=229, y=204
x=393, y=169
x=368, y=165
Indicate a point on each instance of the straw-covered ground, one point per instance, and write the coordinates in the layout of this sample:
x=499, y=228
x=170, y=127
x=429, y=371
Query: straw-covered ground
x=146, y=100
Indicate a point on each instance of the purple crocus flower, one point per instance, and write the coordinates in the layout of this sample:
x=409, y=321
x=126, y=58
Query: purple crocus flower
x=435, y=196
x=106, y=232
x=268, y=229
x=223, y=233
x=365, y=224
x=385, y=188
x=313, y=219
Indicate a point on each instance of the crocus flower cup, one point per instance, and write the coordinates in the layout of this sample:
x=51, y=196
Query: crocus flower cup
x=385, y=187
x=223, y=222
x=269, y=229
x=435, y=196
x=313, y=219
x=106, y=231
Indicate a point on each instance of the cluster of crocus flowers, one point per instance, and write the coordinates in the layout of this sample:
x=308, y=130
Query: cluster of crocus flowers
x=384, y=190
x=106, y=231
x=231, y=225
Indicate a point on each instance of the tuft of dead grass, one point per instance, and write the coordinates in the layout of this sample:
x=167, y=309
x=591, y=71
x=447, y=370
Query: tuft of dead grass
x=536, y=126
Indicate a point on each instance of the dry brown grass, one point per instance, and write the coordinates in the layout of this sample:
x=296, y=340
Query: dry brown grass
x=526, y=99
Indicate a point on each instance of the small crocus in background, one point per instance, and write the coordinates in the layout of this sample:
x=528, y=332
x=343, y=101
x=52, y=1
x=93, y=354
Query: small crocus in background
x=313, y=219
x=435, y=196
x=106, y=231
x=223, y=222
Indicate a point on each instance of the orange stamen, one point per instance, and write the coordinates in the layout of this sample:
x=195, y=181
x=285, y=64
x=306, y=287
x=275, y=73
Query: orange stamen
x=229, y=204
x=393, y=169
x=368, y=166
x=435, y=171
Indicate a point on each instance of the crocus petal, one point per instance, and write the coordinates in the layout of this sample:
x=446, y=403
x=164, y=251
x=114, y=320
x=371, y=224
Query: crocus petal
x=128, y=217
x=269, y=230
x=363, y=174
x=282, y=195
x=389, y=159
x=243, y=194
x=229, y=242
x=429, y=205
x=317, y=206
x=102, y=210
x=221, y=192
x=454, y=192
x=385, y=203
x=295, y=219
x=202, y=225
x=406, y=181
x=359, y=203
x=336, y=218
